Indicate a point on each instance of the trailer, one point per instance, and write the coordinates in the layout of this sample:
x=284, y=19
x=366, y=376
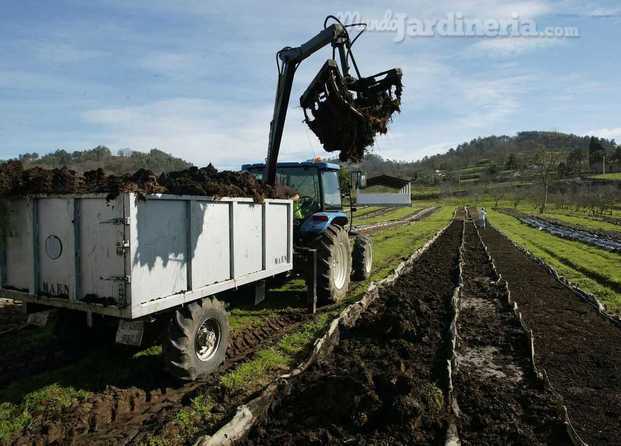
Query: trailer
x=135, y=258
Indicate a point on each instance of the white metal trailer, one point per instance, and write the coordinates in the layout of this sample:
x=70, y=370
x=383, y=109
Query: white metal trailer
x=132, y=257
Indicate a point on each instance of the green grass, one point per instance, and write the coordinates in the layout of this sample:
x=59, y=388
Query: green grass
x=425, y=189
x=362, y=211
x=51, y=399
x=281, y=357
x=608, y=176
x=470, y=170
x=572, y=218
x=592, y=269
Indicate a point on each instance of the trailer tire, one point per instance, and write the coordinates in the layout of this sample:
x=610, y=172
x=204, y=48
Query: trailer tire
x=333, y=265
x=362, y=258
x=198, y=336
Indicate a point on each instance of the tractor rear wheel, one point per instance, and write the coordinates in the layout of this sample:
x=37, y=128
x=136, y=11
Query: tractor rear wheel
x=362, y=258
x=333, y=265
x=198, y=336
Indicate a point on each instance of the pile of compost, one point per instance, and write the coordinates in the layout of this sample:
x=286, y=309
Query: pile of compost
x=208, y=181
x=352, y=131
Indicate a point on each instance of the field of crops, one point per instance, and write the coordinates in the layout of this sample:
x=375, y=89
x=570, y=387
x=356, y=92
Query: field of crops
x=439, y=354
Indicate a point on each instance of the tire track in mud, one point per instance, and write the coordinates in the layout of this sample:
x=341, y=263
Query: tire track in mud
x=580, y=350
x=500, y=399
x=124, y=416
x=12, y=315
x=385, y=382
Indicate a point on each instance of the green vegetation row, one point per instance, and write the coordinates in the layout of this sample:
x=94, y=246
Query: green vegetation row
x=592, y=269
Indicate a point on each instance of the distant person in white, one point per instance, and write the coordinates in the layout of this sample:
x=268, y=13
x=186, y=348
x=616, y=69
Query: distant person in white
x=482, y=217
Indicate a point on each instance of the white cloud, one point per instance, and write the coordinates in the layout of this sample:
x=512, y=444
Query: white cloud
x=510, y=46
x=202, y=131
x=608, y=133
x=605, y=12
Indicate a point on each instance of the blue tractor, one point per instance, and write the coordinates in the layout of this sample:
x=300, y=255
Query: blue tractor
x=328, y=252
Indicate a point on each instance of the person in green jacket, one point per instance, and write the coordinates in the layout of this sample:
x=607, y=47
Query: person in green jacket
x=297, y=209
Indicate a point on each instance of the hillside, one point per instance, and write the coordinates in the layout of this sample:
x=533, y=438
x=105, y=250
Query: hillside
x=495, y=156
x=125, y=162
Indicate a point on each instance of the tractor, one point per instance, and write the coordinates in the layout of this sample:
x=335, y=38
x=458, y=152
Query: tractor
x=328, y=251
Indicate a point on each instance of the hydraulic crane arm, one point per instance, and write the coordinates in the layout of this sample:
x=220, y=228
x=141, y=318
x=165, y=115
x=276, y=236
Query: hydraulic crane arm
x=344, y=111
x=290, y=58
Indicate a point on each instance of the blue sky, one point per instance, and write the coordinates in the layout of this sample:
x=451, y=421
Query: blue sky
x=197, y=78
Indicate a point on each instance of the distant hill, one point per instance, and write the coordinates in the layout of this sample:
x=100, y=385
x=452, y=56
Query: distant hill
x=126, y=161
x=498, y=148
x=492, y=155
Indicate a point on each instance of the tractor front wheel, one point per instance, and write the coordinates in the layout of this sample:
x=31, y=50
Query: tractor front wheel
x=333, y=265
x=362, y=258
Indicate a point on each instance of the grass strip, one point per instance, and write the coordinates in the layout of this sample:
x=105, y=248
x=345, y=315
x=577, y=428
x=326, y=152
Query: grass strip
x=592, y=269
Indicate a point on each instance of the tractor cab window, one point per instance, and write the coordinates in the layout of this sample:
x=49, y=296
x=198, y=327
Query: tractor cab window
x=331, y=189
x=306, y=183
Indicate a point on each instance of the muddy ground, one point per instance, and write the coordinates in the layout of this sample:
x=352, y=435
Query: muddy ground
x=500, y=399
x=12, y=316
x=130, y=401
x=580, y=351
x=17, y=181
x=384, y=383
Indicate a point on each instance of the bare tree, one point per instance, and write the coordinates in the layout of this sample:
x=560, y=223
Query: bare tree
x=546, y=164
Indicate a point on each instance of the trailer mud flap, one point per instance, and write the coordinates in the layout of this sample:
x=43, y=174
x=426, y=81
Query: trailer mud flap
x=38, y=319
x=130, y=332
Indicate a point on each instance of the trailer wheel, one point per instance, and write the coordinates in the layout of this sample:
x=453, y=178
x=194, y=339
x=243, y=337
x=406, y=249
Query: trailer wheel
x=198, y=335
x=362, y=258
x=333, y=265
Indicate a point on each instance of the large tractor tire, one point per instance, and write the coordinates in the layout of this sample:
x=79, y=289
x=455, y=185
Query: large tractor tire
x=362, y=258
x=198, y=336
x=333, y=265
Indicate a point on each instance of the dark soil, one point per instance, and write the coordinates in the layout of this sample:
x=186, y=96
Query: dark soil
x=500, y=399
x=580, y=351
x=128, y=408
x=339, y=128
x=384, y=383
x=17, y=181
x=12, y=316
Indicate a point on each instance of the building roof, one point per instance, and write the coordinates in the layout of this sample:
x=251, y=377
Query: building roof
x=387, y=180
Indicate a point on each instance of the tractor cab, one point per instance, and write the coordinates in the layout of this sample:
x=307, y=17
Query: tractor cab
x=317, y=183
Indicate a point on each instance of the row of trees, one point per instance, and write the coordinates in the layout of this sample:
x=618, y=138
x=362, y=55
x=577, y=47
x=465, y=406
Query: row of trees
x=580, y=197
x=125, y=161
